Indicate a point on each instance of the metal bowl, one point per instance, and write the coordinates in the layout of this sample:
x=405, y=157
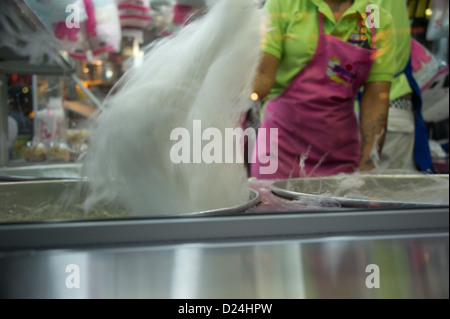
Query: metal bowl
x=381, y=190
x=53, y=200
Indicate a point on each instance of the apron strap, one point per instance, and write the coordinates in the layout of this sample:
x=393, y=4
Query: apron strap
x=374, y=38
x=422, y=152
x=321, y=22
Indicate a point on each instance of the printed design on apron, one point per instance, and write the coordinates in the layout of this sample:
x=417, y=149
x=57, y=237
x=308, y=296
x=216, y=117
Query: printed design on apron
x=344, y=74
x=339, y=74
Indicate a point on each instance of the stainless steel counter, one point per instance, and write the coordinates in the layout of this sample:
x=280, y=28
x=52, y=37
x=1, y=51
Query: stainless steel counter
x=409, y=266
x=277, y=249
x=281, y=255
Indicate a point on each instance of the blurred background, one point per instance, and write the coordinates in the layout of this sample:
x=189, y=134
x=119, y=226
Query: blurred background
x=60, y=59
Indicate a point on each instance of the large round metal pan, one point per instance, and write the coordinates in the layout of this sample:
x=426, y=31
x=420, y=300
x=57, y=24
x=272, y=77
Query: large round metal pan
x=381, y=190
x=44, y=200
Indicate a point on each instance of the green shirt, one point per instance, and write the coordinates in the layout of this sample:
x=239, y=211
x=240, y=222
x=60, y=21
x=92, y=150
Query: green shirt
x=402, y=30
x=291, y=30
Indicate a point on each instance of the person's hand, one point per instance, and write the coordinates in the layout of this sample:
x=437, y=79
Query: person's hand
x=366, y=166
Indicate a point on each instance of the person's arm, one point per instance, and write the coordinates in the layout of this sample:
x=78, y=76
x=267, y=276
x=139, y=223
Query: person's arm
x=374, y=115
x=265, y=75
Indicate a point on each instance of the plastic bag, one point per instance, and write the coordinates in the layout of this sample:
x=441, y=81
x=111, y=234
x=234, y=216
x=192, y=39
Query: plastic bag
x=135, y=14
x=99, y=30
x=431, y=75
x=438, y=25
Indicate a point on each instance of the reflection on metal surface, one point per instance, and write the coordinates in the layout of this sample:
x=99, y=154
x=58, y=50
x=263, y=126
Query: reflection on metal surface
x=298, y=254
x=410, y=267
x=381, y=190
x=186, y=272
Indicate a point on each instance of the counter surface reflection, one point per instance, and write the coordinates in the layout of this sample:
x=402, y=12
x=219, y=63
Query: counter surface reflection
x=400, y=266
x=279, y=248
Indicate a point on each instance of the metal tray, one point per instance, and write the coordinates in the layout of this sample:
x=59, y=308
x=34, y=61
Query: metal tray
x=380, y=190
x=43, y=200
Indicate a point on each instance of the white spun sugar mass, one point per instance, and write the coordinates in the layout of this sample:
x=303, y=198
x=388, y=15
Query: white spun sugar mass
x=202, y=73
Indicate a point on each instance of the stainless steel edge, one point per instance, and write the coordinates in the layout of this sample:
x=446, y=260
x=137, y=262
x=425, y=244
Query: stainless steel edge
x=254, y=199
x=238, y=227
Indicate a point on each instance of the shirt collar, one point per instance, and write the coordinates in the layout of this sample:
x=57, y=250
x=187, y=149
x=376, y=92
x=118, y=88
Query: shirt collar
x=358, y=6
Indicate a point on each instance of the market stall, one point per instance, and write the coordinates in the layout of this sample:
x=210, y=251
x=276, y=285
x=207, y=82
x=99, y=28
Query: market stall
x=107, y=213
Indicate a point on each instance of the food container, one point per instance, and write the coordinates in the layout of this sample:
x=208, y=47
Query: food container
x=62, y=200
x=371, y=190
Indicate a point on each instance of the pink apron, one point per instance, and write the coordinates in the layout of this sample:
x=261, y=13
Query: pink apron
x=318, y=132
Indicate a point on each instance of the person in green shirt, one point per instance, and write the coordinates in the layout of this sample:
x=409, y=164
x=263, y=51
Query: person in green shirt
x=316, y=55
x=400, y=140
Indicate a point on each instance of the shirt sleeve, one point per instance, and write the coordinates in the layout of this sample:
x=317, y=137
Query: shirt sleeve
x=272, y=30
x=383, y=69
